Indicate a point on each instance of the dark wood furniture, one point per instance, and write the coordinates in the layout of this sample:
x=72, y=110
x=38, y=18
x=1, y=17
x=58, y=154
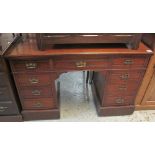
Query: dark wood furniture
x=46, y=40
x=9, y=109
x=114, y=89
x=145, y=99
x=149, y=40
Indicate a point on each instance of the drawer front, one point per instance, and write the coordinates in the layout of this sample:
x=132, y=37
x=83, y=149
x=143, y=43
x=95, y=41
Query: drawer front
x=122, y=89
x=30, y=66
x=1, y=66
x=118, y=100
x=36, y=92
x=3, y=79
x=81, y=64
x=40, y=104
x=33, y=79
x=130, y=62
x=8, y=109
x=4, y=94
x=122, y=77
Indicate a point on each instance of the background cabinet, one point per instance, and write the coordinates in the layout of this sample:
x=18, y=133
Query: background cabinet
x=9, y=108
x=145, y=99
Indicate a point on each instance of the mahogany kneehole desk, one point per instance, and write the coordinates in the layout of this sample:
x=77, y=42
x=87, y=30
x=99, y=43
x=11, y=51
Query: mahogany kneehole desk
x=118, y=75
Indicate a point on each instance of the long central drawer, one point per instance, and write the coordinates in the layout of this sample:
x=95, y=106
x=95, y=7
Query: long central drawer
x=82, y=64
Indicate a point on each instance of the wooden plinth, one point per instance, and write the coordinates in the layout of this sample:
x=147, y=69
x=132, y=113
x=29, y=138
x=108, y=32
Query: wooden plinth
x=13, y=118
x=40, y=114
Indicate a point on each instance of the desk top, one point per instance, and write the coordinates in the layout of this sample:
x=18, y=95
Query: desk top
x=28, y=48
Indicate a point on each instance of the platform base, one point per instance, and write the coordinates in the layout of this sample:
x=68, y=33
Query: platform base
x=40, y=114
x=114, y=111
x=12, y=118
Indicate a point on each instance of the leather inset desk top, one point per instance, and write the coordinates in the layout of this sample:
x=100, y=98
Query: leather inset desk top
x=28, y=48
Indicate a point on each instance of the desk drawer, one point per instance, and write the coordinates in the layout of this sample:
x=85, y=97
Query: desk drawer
x=81, y=64
x=129, y=89
x=30, y=66
x=33, y=79
x=38, y=104
x=36, y=92
x=130, y=62
x=122, y=77
x=1, y=66
x=4, y=94
x=118, y=100
x=8, y=109
x=3, y=79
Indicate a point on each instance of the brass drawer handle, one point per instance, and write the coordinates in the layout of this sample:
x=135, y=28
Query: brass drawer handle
x=122, y=88
x=38, y=105
x=81, y=64
x=31, y=65
x=124, y=76
x=119, y=101
x=128, y=62
x=34, y=81
x=2, y=109
x=36, y=92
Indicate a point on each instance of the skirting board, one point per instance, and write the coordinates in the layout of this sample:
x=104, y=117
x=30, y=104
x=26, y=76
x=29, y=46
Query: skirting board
x=145, y=107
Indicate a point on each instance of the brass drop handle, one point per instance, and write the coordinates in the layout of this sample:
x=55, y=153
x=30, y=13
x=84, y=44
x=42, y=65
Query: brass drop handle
x=124, y=76
x=81, y=64
x=38, y=105
x=34, y=81
x=128, y=62
x=36, y=92
x=2, y=109
x=119, y=101
x=31, y=65
x=122, y=88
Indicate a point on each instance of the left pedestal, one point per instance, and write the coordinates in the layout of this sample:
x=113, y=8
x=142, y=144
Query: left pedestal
x=38, y=92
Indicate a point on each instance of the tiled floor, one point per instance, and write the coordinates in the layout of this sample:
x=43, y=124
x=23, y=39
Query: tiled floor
x=76, y=107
